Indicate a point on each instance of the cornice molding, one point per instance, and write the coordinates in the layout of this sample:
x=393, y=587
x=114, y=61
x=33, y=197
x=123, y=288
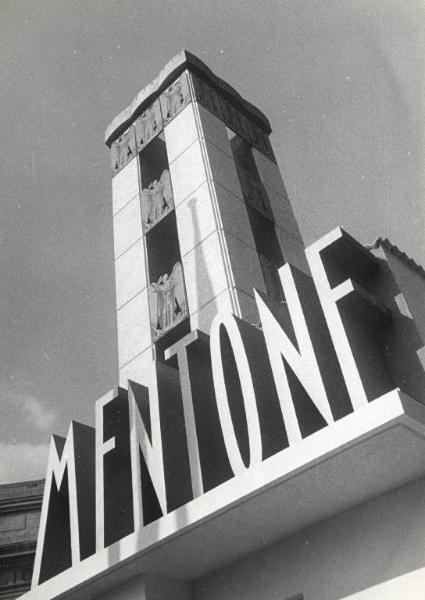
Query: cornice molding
x=182, y=61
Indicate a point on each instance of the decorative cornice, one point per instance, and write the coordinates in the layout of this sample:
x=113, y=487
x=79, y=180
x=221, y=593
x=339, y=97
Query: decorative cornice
x=387, y=245
x=180, y=62
x=21, y=496
x=21, y=553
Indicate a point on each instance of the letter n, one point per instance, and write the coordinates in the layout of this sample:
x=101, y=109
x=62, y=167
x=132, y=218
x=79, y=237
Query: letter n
x=294, y=364
x=147, y=463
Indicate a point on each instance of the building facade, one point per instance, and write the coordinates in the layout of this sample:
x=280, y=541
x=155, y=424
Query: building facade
x=20, y=505
x=267, y=436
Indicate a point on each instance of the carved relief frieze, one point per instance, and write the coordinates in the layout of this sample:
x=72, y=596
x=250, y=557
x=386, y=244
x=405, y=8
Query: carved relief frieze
x=7, y=578
x=148, y=125
x=207, y=96
x=16, y=571
x=21, y=490
x=246, y=129
x=153, y=119
x=123, y=150
x=234, y=119
x=175, y=98
x=156, y=200
x=167, y=301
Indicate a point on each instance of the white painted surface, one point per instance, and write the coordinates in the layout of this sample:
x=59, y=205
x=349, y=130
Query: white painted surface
x=325, y=474
x=373, y=552
x=205, y=276
x=203, y=317
x=180, y=133
x=127, y=226
x=141, y=370
x=130, y=273
x=187, y=172
x=195, y=219
x=134, y=334
x=125, y=185
x=149, y=588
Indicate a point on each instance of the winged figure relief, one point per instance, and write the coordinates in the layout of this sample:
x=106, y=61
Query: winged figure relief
x=146, y=201
x=175, y=97
x=120, y=153
x=167, y=189
x=168, y=304
x=123, y=150
x=148, y=125
x=157, y=200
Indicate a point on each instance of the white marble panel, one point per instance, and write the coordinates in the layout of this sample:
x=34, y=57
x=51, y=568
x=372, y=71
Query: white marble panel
x=214, y=130
x=127, y=226
x=187, y=172
x=133, y=328
x=283, y=212
x=202, y=319
x=195, y=219
x=234, y=216
x=269, y=172
x=180, y=133
x=141, y=370
x=223, y=170
x=125, y=185
x=130, y=273
x=246, y=267
x=292, y=250
x=205, y=276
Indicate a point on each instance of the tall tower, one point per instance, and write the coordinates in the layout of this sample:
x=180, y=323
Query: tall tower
x=200, y=212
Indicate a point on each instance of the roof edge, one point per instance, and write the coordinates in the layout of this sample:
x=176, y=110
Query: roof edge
x=387, y=245
x=181, y=61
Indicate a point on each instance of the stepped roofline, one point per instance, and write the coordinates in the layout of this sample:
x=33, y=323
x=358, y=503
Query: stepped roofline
x=387, y=245
x=181, y=61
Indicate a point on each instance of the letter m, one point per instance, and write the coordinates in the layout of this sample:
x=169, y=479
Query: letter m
x=67, y=524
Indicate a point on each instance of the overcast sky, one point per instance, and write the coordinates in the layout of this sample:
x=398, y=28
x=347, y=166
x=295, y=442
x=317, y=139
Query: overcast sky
x=341, y=82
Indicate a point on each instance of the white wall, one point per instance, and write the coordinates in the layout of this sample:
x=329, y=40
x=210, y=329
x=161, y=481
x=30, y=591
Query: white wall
x=371, y=552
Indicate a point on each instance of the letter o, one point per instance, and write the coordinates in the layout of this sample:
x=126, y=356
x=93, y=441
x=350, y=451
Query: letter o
x=237, y=464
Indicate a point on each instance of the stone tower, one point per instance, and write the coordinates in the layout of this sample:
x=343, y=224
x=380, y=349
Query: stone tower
x=200, y=212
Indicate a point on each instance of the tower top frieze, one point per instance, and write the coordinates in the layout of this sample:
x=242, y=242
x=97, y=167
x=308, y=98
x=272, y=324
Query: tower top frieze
x=182, y=61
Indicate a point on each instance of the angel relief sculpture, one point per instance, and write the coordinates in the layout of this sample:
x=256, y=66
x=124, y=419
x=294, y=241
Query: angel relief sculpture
x=175, y=97
x=157, y=200
x=148, y=125
x=123, y=150
x=167, y=301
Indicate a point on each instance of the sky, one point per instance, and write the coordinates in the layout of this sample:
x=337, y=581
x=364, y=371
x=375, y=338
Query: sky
x=341, y=81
